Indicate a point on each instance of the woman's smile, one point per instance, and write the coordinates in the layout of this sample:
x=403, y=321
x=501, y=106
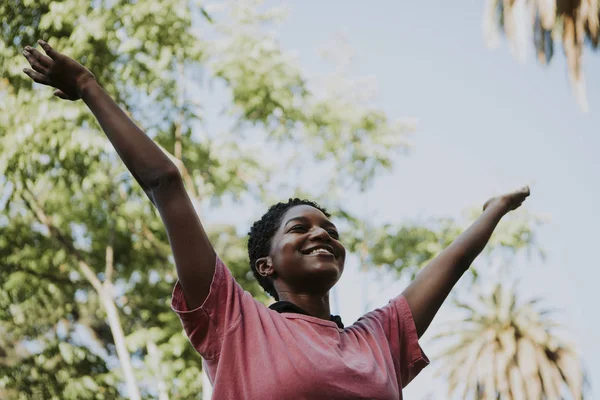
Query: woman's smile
x=320, y=250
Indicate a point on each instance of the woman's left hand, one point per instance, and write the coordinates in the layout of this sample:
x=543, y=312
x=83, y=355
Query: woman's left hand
x=510, y=201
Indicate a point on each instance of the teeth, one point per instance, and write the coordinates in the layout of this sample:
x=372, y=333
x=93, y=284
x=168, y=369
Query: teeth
x=316, y=251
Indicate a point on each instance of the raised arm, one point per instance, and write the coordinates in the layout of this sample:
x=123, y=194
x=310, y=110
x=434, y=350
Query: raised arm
x=150, y=166
x=432, y=285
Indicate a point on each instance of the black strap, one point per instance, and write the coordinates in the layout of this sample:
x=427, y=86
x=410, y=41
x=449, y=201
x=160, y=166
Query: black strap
x=286, y=306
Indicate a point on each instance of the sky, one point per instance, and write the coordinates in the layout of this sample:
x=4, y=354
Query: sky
x=486, y=125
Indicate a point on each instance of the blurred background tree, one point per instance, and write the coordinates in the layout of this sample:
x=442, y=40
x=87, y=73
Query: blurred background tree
x=505, y=348
x=542, y=23
x=86, y=273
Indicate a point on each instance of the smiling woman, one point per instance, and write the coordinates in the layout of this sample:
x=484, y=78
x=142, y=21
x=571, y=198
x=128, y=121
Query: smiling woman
x=298, y=235
x=296, y=348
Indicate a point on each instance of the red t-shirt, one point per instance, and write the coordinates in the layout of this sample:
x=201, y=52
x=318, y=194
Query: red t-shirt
x=253, y=352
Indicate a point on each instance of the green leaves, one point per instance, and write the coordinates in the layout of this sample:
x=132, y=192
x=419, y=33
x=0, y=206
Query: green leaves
x=408, y=247
x=61, y=371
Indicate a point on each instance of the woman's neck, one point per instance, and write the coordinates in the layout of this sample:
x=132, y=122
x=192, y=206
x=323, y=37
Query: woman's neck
x=317, y=306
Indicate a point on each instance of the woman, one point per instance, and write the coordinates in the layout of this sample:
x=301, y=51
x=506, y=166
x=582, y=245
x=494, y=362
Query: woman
x=294, y=349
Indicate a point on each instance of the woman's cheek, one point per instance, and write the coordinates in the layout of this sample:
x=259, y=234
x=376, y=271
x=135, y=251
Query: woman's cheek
x=287, y=245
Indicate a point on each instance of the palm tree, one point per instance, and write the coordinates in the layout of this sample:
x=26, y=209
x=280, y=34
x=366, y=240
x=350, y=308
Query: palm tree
x=572, y=22
x=506, y=350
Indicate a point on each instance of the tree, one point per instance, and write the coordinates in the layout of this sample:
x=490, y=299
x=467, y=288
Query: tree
x=572, y=22
x=508, y=349
x=87, y=274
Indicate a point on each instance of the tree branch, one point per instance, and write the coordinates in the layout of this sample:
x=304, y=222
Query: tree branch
x=185, y=173
x=109, y=263
x=104, y=292
x=159, y=246
x=109, y=257
x=86, y=270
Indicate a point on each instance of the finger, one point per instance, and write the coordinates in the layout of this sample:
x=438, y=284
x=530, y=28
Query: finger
x=49, y=50
x=37, y=77
x=62, y=95
x=524, y=191
x=41, y=58
x=34, y=63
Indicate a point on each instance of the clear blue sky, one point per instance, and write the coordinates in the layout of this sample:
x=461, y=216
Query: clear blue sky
x=485, y=124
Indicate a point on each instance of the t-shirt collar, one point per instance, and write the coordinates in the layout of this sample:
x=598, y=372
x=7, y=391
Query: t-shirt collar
x=286, y=306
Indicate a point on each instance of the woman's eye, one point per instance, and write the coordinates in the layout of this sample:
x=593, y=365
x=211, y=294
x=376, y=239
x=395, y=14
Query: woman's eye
x=301, y=228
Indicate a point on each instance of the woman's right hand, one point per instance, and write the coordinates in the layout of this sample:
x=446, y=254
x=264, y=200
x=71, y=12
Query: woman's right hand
x=57, y=70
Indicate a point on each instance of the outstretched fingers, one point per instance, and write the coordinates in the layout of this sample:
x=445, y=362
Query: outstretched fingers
x=53, y=54
x=37, y=77
x=519, y=196
x=40, y=63
x=33, y=57
x=512, y=200
x=525, y=190
x=62, y=95
x=42, y=59
x=522, y=193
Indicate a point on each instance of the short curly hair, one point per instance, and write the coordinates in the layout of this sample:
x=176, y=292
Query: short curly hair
x=261, y=235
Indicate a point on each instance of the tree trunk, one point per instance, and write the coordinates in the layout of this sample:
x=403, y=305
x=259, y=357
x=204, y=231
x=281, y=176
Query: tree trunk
x=155, y=359
x=104, y=290
x=124, y=357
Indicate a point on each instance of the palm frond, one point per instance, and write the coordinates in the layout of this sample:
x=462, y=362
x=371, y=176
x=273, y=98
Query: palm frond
x=507, y=349
x=571, y=22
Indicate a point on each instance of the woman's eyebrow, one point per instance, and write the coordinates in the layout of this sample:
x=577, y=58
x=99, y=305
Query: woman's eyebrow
x=305, y=220
x=297, y=219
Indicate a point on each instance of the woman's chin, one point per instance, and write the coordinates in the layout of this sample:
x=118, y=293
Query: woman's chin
x=324, y=267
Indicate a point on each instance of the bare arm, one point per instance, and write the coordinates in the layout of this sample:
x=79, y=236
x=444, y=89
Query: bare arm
x=194, y=255
x=145, y=160
x=432, y=285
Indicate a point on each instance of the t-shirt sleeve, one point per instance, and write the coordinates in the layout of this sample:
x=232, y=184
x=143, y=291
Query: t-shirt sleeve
x=400, y=330
x=206, y=325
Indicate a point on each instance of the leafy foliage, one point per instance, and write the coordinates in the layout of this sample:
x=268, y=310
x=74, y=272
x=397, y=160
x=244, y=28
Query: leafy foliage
x=574, y=23
x=508, y=349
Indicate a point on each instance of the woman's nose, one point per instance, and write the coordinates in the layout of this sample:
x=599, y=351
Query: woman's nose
x=320, y=233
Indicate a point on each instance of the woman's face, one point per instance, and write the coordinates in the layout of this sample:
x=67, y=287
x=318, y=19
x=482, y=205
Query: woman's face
x=306, y=253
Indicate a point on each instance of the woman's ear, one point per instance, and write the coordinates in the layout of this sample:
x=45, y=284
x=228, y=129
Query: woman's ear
x=264, y=266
